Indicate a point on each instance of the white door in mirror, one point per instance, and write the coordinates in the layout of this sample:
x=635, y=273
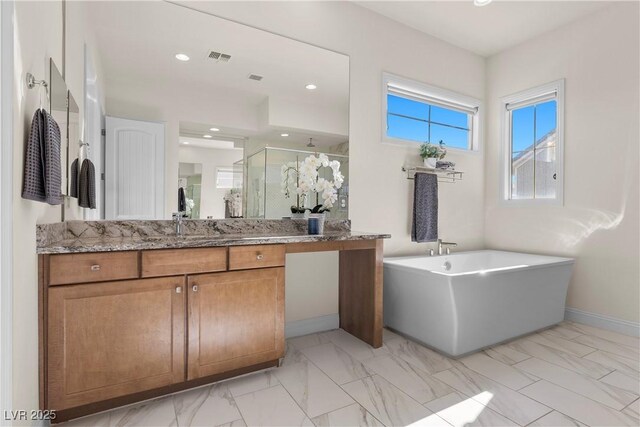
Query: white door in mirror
x=134, y=169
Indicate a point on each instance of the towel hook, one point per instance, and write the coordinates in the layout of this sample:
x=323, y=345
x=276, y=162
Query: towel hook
x=84, y=149
x=42, y=84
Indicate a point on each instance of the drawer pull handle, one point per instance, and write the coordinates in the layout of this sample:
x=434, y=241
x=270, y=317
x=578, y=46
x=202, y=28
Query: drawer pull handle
x=178, y=289
x=95, y=267
x=259, y=257
x=195, y=288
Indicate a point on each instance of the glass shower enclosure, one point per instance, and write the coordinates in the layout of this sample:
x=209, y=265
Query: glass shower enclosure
x=263, y=184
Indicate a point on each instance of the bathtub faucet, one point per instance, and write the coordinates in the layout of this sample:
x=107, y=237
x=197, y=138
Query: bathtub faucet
x=445, y=245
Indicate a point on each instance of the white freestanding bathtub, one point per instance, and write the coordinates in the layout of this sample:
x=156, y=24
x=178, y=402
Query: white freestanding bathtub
x=466, y=301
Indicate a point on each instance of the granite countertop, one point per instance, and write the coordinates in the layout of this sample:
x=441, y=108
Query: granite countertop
x=106, y=244
x=81, y=236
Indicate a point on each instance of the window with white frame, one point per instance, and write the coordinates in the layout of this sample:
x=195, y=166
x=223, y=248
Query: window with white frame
x=415, y=112
x=227, y=177
x=533, y=144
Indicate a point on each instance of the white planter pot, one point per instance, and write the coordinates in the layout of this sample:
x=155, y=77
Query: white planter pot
x=430, y=162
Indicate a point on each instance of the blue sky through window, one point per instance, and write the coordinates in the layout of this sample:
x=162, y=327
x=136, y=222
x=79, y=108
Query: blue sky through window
x=522, y=124
x=422, y=122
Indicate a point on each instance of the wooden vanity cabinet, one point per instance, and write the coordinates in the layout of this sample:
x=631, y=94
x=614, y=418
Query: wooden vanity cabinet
x=236, y=319
x=111, y=339
x=126, y=326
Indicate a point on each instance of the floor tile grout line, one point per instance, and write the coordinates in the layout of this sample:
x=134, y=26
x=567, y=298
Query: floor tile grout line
x=289, y=393
x=630, y=404
x=606, y=339
x=259, y=389
x=539, y=418
x=603, y=339
x=598, y=381
x=240, y=410
x=327, y=374
x=576, y=393
x=393, y=386
x=553, y=363
x=476, y=401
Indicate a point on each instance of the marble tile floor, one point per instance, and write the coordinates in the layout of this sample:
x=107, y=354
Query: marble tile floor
x=568, y=375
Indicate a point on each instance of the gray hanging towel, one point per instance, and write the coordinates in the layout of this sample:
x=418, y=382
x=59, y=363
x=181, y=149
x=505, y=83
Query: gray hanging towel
x=42, y=180
x=424, y=227
x=74, y=174
x=87, y=185
x=182, y=200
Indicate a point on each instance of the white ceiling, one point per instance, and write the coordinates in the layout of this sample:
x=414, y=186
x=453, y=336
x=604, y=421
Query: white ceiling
x=138, y=42
x=194, y=132
x=484, y=30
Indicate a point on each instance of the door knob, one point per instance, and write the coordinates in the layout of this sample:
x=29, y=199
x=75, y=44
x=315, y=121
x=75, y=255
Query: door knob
x=259, y=257
x=195, y=288
x=178, y=289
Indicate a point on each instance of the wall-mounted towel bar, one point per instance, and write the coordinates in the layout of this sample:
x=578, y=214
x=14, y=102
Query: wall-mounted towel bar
x=444, y=175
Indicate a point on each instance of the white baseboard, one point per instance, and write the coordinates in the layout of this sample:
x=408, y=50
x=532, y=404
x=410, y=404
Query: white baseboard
x=601, y=321
x=310, y=326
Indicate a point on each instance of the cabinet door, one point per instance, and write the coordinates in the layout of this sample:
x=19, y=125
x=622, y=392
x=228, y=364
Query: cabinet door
x=112, y=339
x=236, y=319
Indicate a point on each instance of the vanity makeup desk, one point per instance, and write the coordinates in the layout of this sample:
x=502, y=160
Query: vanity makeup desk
x=129, y=311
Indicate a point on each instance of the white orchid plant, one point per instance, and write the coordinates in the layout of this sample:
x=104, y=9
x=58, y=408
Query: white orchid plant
x=304, y=178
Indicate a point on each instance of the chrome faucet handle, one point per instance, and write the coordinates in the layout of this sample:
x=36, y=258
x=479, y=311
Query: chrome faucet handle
x=178, y=217
x=431, y=252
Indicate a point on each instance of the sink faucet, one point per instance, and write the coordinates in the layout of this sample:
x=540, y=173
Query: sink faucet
x=446, y=245
x=177, y=218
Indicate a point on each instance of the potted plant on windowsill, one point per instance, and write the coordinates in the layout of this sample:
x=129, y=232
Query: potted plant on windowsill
x=431, y=153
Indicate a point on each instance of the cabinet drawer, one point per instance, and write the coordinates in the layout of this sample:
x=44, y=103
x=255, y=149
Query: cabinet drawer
x=166, y=262
x=66, y=269
x=255, y=256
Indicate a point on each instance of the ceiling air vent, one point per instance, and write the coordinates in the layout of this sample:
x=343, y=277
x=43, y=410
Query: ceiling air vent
x=255, y=77
x=220, y=57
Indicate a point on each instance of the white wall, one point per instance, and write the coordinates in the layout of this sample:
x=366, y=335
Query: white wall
x=598, y=224
x=308, y=117
x=211, y=201
x=80, y=39
x=378, y=188
x=37, y=36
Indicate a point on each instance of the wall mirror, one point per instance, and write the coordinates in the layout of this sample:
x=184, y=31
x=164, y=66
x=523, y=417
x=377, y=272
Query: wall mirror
x=58, y=110
x=72, y=141
x=195, y=101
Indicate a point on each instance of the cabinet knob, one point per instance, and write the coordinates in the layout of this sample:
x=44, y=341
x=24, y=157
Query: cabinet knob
x=259, y=257
x=195, y=288
x=95, y=267
x=178, y=289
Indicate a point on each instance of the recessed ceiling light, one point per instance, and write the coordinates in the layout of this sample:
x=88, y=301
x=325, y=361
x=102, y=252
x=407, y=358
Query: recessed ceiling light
x=185, y=142
x=311, y=86
x=214, y=130
x=207, y=136
x=284, y=134
x=481, y=2
x=182, y=57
